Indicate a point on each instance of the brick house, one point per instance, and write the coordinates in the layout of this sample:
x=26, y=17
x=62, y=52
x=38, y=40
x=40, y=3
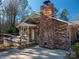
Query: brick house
x=48, y=31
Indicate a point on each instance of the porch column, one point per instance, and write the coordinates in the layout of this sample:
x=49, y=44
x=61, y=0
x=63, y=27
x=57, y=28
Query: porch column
x=28, y=32
x=32, y=34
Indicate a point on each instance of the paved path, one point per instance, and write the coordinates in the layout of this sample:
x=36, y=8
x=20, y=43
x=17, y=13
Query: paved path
x=33, y=53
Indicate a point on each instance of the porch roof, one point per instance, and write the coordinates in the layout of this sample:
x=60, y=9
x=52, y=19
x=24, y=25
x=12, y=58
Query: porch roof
x=26, y=25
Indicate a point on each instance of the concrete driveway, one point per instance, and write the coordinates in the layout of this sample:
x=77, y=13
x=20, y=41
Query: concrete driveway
x=35, y=52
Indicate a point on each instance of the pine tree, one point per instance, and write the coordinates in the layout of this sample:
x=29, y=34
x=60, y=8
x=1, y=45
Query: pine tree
x=64, y=15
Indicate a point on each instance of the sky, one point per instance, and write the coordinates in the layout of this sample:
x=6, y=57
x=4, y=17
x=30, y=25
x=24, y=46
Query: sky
x=71, y=5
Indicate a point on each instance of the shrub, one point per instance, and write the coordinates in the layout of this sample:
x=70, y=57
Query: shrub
x=76, y=48
x=11, y=29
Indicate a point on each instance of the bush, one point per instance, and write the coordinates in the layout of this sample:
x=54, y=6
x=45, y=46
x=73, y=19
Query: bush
x=76, y=48
x=11, y=29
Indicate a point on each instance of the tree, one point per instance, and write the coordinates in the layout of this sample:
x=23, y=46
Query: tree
x=1, y=22
x=0, y=2
x=16, y=9
x=12, y=11
x=0, y=27
x=56, y=10
x=22, y=9
x=64, y=15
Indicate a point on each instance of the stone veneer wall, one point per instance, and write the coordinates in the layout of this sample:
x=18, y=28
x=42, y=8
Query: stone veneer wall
x=48, y=9
x=61, y=35
x=74, y=32
x=53, y=34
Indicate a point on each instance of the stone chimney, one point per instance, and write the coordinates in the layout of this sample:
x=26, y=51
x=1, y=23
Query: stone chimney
x=47, y=9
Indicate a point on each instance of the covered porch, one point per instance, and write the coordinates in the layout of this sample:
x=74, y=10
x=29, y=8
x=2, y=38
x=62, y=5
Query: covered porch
x=27, y=34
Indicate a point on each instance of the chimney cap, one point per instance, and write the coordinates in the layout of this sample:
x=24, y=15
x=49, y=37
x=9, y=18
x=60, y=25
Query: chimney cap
x=46, y=2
